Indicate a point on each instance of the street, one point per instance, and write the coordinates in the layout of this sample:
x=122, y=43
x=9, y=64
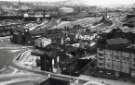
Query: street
x=9, y=72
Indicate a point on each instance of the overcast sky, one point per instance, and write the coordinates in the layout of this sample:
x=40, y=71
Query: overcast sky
x=89, y=2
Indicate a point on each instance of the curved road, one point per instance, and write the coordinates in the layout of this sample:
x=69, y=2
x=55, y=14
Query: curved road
x=22, y=74
x=10, y=73
x=82, y=77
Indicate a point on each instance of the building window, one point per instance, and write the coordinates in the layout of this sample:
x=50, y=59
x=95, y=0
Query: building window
x=101, y=64
x=100, y=49
x=134, y=65
x=116, y=57
x=134, y=59
x=100, y=54
x=101, y=58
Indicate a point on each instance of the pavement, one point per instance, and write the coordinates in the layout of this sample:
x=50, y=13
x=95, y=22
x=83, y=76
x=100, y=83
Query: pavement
x=81, y=77
x=20, y=77
x=22, y=72
x=106, y=81
x=11, y=74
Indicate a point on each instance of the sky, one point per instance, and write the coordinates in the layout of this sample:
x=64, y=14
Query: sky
x=89, y=2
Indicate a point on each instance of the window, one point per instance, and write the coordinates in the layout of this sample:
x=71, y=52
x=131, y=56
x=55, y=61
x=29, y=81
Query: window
x=101, y=58
x=101, y=64
x=100, y=54
x=134, y=59
x=100, y=49
x=116, y=57
x=134, y=65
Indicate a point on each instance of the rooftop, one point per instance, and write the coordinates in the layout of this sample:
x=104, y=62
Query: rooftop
x=117, y=41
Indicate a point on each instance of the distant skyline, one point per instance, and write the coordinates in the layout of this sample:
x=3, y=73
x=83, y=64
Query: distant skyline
x=105, y=3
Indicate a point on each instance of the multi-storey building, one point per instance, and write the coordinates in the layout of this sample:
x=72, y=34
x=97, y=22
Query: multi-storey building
x=116, y=55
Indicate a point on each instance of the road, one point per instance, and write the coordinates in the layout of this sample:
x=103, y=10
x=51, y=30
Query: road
x=108, y=81
x=20, y=77
x=83, y=77
x=18, y=74
x=10, y=73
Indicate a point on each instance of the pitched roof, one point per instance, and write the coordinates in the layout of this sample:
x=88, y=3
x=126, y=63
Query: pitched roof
x=117, y=41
